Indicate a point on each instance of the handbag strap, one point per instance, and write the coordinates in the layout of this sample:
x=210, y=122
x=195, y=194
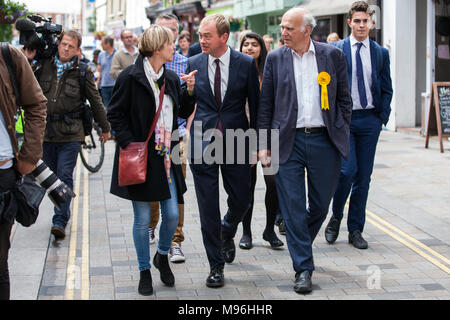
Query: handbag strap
x=155, y=120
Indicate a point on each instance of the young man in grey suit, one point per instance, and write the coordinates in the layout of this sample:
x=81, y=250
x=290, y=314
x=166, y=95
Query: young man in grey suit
x=305, y=94
x=225, y=81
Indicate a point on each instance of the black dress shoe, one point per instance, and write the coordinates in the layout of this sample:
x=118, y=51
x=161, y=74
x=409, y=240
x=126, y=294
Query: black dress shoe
x=357, y=240
x=161, y=262
x=145, y=283
x=216, y=278
x=246, y=242
x=228, y=250
x=303, y=282
x=332, y=230
x=273, y=240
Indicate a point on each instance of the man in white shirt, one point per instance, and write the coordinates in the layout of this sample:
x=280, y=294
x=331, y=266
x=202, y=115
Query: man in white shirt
x=371, y=88
x=226, y=79
x=305, y=95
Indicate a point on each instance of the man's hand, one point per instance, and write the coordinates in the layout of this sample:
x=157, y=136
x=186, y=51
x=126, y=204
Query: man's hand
x=105, y=137
x=24, y=167
x=264, y=157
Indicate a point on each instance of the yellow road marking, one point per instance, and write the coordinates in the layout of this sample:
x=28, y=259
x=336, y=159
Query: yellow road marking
x=71, y=267
x=85, y=246
x=407, y=236
x=406, y=243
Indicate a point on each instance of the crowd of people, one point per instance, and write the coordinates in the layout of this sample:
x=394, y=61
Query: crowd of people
x=328, y=103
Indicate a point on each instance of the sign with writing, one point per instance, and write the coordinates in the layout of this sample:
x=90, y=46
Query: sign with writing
x=439, y=120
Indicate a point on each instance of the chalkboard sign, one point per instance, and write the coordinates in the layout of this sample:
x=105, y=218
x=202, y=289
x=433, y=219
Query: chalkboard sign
x=439, y=120
x=444, y=108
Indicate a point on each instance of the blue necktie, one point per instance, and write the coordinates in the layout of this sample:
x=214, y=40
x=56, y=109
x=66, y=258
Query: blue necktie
x=360, y=77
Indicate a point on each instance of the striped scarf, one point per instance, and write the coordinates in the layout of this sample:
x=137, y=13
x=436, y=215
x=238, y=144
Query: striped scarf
x=60, y=67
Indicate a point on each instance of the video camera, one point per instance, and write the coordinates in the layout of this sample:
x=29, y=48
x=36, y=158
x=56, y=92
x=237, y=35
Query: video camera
x=46, y=44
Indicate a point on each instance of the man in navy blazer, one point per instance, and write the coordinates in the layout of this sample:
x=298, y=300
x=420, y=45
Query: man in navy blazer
x=225, y=81
x=371, y=87
x=313, y=132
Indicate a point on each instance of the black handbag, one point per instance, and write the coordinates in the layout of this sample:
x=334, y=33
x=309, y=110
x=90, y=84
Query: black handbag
x=28, y=196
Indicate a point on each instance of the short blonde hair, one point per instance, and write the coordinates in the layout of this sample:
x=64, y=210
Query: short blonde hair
x=222, y=23
x=333, y=37
x=154, y=39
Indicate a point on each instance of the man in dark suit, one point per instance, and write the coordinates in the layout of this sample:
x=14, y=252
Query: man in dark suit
x=371, y=87
x=194, y=50
x=226, y=79
x=313, y=122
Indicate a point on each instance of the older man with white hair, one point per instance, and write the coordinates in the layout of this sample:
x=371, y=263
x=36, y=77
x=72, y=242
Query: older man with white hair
x=305, y=95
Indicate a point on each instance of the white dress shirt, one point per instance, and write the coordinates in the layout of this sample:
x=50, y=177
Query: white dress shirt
x=308, y=89
x=224, y=71
x=367, y=69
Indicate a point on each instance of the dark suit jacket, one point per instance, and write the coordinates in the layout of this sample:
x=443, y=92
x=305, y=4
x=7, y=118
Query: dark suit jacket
x=278, y=107
x=381, y=76
x=243, y=85
x=194, y=50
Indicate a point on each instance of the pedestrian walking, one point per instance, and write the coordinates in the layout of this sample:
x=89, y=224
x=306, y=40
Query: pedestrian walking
x=177, y=65
x=226, y=79
x=133, y=106
x=253, y=45
x=126, y=56
x=105, y=82
x=60, y=78
x=371, y=88
x=305, y=96
x=14, y=162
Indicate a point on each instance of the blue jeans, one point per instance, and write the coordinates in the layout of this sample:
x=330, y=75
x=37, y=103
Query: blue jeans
x=316, y=154
x=61, y=158
x=365, y=130
x=106, y=95
x=169, y=215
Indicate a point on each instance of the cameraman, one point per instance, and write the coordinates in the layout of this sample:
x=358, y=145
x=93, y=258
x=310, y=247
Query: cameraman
x=59, y=78
x=13, y=162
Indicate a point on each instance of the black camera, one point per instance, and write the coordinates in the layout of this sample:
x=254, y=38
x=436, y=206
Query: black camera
x=57, y=191
x=42, y=38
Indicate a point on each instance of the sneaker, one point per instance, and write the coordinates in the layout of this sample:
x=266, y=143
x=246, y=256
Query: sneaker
x=176, y=254
x=151, y=232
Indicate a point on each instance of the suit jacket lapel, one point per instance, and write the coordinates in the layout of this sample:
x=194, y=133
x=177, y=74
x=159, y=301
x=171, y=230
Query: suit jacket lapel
x=374, y=60
x=348, y=56
x=204, y=74
x=289, y=71
x=321, y=62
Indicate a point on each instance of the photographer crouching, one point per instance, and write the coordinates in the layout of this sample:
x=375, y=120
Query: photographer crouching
x=64, y=85
x=13, y=162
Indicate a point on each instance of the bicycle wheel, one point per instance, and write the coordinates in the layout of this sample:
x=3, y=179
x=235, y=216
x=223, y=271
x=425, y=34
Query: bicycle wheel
x=92, y=152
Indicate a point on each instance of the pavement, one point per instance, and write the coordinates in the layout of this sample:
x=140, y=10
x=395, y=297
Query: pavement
x=407, y=227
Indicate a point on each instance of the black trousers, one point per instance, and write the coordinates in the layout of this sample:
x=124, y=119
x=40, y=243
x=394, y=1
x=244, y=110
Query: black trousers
x=271, y=201
x=7, y=182
x=236, y=181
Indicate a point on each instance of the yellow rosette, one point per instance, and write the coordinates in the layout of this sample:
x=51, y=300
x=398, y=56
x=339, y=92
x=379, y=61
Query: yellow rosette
x=324, y=80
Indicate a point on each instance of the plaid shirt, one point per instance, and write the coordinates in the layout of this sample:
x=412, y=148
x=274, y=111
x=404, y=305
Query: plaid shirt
x=60, y=67
x=179, y=65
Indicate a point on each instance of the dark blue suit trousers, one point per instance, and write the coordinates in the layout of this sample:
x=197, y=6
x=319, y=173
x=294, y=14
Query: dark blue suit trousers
x=316, y=153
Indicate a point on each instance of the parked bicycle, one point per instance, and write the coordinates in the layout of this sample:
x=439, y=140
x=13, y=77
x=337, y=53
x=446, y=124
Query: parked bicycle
x=92, y=151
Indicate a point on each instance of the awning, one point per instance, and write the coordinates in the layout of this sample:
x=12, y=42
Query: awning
x=327, y=7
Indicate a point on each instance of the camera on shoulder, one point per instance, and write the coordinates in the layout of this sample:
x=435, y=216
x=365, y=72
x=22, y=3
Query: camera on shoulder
x=43, y=38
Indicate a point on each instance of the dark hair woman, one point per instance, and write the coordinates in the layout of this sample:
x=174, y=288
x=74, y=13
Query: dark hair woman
x=133, y=106
x=253, y=45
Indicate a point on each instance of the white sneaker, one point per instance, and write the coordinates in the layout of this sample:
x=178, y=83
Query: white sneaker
x=176, y=254
x=151, y=232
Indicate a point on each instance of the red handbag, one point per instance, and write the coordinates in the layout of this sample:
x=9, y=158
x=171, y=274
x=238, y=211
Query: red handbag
x=133, y=159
